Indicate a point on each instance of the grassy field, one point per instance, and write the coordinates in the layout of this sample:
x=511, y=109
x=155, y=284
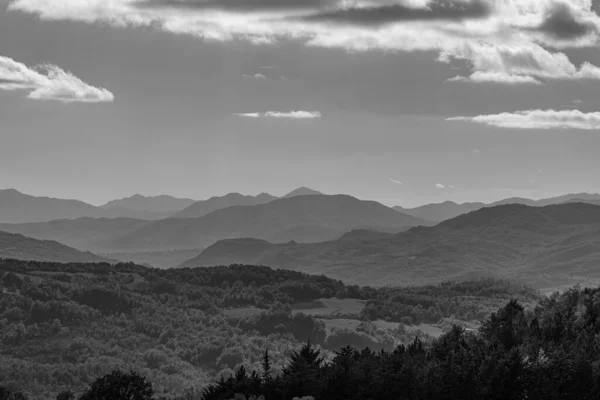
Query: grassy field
x=352, y=324
x=330, y=307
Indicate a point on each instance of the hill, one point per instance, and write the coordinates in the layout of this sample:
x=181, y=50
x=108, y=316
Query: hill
x=300, y=218
x=23, y=248
x=544, y=246
x=439, y=212
x=157, y=204
x=81, y=233
x=64, y=325
x=203, y=207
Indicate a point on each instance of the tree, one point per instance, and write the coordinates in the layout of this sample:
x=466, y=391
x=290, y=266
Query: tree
x=266, y=366
x=301, y=375
x=120, y=386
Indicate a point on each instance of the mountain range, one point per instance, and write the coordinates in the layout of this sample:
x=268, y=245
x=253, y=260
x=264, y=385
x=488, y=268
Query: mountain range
x=204, y=207
x=438, y=212
x=544, y=246
x=17, y=207
x=310, y=218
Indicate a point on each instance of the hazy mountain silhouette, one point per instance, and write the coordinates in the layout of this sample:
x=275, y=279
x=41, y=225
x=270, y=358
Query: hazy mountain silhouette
x=323, y=216
x=596, y=202
x=301, y=191
x=81, y=233
x=203, y=207
x=438, y=212
x=17, y=207
x=23, y=248
x=540, y=245
x=158, y=204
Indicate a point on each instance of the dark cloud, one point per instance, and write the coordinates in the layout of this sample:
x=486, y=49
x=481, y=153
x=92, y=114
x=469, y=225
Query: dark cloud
x=442, y=10
x=596, y=6
x=560, y=23
x=238, y=5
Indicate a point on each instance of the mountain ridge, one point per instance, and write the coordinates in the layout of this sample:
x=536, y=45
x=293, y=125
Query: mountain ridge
x=438, y=212
x=165, y=204
x=540, y=245
x=330, y=215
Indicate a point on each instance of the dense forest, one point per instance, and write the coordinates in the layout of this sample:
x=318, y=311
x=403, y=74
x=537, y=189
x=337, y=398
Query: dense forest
x=64, y=327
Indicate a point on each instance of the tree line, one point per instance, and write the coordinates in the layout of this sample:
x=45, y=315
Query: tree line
x=550, y=351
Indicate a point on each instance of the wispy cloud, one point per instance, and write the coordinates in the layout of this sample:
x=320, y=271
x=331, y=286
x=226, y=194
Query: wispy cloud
x=501, y=41
x=538, y=119
x=397, y=182
x=440, y=186
x=255, y=76
x=280, y=114
x=49, y=82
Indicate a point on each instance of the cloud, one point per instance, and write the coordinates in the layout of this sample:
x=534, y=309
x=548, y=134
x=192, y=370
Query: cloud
x=538, y=119
x=248, y=6
x=248, y=115
x=562, y=24
x=397, y=182
x=499, y=41
x=437, y=10
x=49, y=82
x=279, y=114
x=476, y=151
x=440, y=186
x=255, y=76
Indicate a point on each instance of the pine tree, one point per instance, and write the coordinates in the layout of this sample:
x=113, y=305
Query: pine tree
x=266, y=366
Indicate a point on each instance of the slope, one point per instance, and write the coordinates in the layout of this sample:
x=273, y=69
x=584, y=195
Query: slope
x=23, y=248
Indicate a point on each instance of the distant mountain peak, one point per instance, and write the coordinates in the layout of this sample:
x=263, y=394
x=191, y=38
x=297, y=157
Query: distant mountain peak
x=10, y=190
x=200, y=208
x=302, y=191
x=157, y=204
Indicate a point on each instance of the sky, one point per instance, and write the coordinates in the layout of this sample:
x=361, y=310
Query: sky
x=405, y=102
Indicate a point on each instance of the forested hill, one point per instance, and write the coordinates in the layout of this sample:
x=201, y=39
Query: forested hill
x=64, y=325
x=17, y=246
